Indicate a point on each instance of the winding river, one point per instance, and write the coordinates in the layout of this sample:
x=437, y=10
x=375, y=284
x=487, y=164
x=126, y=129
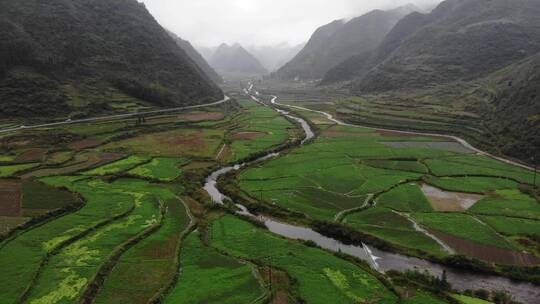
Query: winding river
x=380, y=260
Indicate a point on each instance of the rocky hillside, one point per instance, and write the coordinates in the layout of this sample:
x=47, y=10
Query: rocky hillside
x=336, y=42
x=64, y=56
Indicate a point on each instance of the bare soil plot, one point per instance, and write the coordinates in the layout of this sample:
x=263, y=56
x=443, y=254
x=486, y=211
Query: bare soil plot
x=31, y=155
x=85, y=144
x=449, y=201
x=434, y=145
x=247, y=135
x=201, y=116
x=486, y=252
x=10, y=198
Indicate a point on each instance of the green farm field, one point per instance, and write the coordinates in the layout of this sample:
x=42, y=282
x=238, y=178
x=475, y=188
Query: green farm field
x=114, y=212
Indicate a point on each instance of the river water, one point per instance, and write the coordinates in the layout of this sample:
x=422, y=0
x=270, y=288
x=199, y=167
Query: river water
x=380, y=260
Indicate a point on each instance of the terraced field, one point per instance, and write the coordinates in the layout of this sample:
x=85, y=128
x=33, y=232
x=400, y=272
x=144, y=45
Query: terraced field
x=114, y=212
x=353, y=176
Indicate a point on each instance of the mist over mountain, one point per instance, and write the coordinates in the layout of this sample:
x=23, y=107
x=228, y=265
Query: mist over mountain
x=235, y=59
x=337, y=41
x=60, y=56
x=196, y=57
x=272, y=57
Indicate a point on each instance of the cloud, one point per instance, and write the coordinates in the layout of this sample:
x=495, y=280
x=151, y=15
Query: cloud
x=258, y=22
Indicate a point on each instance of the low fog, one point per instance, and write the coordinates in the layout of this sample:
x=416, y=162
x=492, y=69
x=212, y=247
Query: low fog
x=208, y=23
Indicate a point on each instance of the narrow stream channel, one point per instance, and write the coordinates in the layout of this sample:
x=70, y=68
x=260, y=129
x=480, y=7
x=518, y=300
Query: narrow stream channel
x=380, y=260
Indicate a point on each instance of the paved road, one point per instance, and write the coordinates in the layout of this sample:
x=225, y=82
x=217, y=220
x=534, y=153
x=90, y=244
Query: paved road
x=117, y=116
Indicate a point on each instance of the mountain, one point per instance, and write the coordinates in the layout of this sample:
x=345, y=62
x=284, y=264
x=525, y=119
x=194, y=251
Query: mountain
x=63, y=56
x=235, y=59
x=337, y=41
x=514, y=107
x=460, y=40
x=272, y=57
x=196, y=57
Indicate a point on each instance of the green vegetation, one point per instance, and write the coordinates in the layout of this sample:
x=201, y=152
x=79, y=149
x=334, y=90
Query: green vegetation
x=119, y=166
x=9, y=170
x=261, y=128
x=472, y=184
x=393, y=227
x=513, y=226
x=37, y=195
x=151, y=264
x=469, y=300
x=160, y=168
x=463, y=226
x=321, y=277
x=511, y=203
x=405, y=198
x=210, y=277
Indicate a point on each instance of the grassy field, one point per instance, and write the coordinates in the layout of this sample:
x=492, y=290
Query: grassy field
x=463, y=226
x=511, y=203
x=119, y=166
x=321, y=277
x=10, y=170
x=472, y=184
x=160, y=168
x=258, y=129
x=150, y=265
x=210, y=277
x=396, y=229
x=405, y=198
x=20, y=258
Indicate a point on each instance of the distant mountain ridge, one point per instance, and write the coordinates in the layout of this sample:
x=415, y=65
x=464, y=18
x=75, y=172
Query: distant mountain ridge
x=272, y=57
x=60, y=56
x=339, y=40
x=235, y=59
x=197, y=58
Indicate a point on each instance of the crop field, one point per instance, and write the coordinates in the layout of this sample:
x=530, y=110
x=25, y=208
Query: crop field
x=151, y=264
x=394, y=228
x=210, y=277
x=346, y=170
x=258, y=129
x=160, y=168
x=321, y=277
x=181, y=142
x=114, y=212
x=10, y=170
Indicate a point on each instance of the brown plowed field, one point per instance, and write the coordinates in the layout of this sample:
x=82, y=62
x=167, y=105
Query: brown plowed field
x=486, y=252
x=36, y=154
x=247, y=135
x=10, y=198
x=85, y=144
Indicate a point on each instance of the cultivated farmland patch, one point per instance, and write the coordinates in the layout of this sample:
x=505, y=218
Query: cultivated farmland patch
x=449, y=201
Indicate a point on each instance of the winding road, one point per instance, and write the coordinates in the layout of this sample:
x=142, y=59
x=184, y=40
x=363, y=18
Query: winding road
x=116, y=116
x=462, y=141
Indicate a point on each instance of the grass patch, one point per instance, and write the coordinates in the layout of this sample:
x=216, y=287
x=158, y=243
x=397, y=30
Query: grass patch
x=405, y=198
x=162, y=168
x=118, y=166
x=321, y=277
x=210, y=277
x=10, y=170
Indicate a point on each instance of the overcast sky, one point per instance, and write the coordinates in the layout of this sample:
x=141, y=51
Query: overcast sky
x=258, y=22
